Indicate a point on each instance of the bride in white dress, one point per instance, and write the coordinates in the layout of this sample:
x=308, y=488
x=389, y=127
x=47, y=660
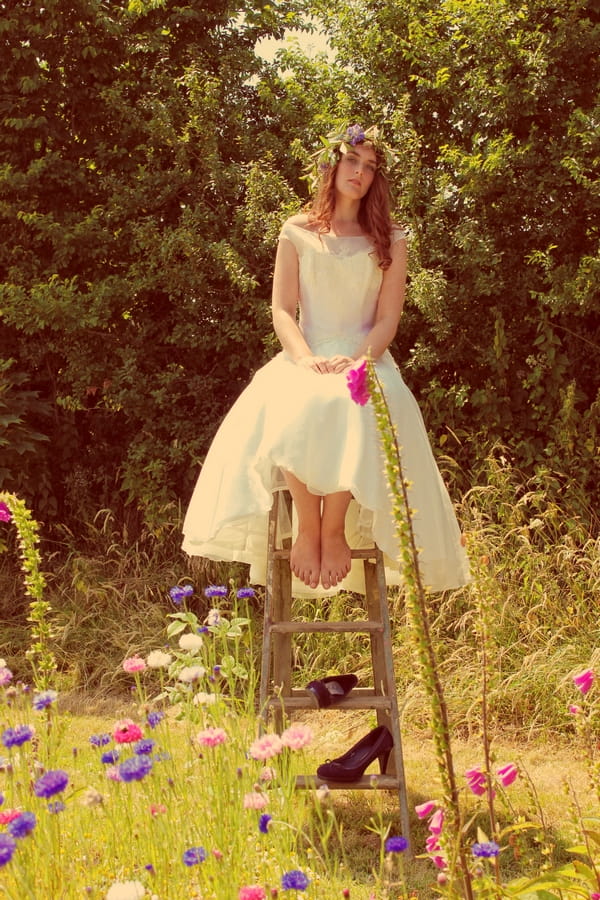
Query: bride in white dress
x=343, y=268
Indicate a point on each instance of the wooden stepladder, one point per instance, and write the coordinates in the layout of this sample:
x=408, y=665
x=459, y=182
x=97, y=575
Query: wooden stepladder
x=278, y=697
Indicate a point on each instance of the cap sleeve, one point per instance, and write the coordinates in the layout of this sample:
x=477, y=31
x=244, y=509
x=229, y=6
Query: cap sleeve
x=397, y=234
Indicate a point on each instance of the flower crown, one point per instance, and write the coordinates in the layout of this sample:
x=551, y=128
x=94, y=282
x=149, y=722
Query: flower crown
x=338, y=142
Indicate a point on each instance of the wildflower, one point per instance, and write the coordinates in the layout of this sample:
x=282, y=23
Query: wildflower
x=215, y=590
x=190, y=642
x=574, y=710
x=190, y=674
x=135, y=768
x=476, y=781
x=355, y=134
x=357, y=384
x=584, y=680
x=264, y=823
x=56, y=806
x=211, y=737
x=155, y=718
x=146, y=745
x=127, y=732
x=158, y=659
x=245, y=593
x=157, y=808
x=217, y=854
x=194, y=856
x=91, y=797
x=296, y=737
x=267, y=773
x=5, y=513
x=100, y=740
x=14, y=737
x=113, y=773
x=110, y=757
x=425, y=809
x=8, y=846
x=255, y=800
x=52, y=782
x=22, y=825
x=8, y=815
x=204, y=699
x=43, y=699
x=436, y=822
x=134, y=664
x=396, y=845
x=266, y=747
x=252, y=892
x=486, y=849
x=179, y=593
x=126, y=890
x=5, y=676
x=432, y=843
x=213, y=618
x=507, y=774
x=294, y=881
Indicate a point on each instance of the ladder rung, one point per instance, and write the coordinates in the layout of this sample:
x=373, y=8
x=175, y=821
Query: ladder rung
x=333, y=627
x=376, y=781
x=365, y=553
x=305, y=701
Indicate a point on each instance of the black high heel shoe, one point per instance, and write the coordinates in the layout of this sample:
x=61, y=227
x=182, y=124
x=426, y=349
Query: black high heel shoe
x=349, y=767
x=332, y=689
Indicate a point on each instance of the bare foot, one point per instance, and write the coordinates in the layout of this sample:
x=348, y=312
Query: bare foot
x=335, y=558
x=305, y=558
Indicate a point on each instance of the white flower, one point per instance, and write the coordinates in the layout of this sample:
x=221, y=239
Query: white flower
x=190, y=642
x=191, y=673
x=213, y=617
x=92, y=797
x=204, y=699
x=158, y=659
x=126, y=890
x=2, y=664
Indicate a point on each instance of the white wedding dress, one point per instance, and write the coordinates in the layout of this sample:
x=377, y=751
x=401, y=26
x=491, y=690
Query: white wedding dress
x=292, y=418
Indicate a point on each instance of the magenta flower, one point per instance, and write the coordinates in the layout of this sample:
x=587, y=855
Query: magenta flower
x=584, y=680
x=574, y=709
x=127, y=732
x=134, y=664
x=252, y=892
x=425, y=809
x=437, y=822
x=476, y=781
x=507, y=774
x=358, y=384
x=5, y=513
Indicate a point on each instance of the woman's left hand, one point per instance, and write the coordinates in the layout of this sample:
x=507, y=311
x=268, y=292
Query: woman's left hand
x=338, y=363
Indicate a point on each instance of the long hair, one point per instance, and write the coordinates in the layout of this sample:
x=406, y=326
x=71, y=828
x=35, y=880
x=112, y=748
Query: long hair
x=374, y=215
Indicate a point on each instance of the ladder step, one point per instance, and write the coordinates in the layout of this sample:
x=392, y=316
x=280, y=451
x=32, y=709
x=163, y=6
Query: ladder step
x=322, y=626
x=306, y=701
x=365, y=553
x=376, y=781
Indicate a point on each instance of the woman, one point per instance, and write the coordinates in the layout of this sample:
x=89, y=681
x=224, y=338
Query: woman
x=343, y=266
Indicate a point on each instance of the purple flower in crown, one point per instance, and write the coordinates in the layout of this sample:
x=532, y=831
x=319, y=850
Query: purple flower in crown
x=355, y=134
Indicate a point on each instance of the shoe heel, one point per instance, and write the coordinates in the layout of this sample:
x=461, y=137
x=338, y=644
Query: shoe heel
x=383, y=761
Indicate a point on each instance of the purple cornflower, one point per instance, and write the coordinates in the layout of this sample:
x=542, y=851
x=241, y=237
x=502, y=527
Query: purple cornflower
x=57, y=806
x=396, y=845
x=154, y=718
x=43, y=700
x=294, y=881
x=179, y=593
x=356, y=134
x=216, y=590
x=146, y=745
x=5, y=676
x=22, y=825
x=135, y=768
x=8, y=845
x=486, y=849
x=100, y=740
x=110, y=757
x=14, y=737
x=245, y=593
x=5, y=513
x=51, y=782
x=264, y=822
x=194, y=856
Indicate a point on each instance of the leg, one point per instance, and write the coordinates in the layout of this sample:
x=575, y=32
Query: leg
x=335, y=552
x=305, y=558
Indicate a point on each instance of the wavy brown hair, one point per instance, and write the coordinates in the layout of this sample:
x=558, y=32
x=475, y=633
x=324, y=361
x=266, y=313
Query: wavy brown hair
x=374, y=215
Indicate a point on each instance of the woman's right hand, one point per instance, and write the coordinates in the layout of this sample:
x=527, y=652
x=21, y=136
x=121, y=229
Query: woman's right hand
x=319, y=364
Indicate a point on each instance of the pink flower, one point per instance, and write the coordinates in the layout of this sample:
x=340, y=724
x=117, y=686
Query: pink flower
x=437, y=822
x=476, y=781
x=595, y=896
x=127, y=732
x=432, y=843
x=255, y=800
x=5, y=676
x=134, y=664
x=112, y=773
x=439, y=861
x=425, y=809
x=507, y=774
x=8, y=815
x=157, y=808
x=265, y=747
x=267, y=773
x=5, y=513
x=252, y=892
x=584, y=680
x=296, y=737
x=358, y=385
x=211, y=737
x=574, y=709
x=217, y=854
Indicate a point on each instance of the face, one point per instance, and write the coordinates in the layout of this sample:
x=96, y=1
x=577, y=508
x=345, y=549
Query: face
x=356, y=171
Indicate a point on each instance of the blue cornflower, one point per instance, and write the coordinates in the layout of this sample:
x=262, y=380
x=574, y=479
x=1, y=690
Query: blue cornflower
x=355, y=134
x=154, y=718
x=56, y=806
x=135, y=768
x=146, y=745
x=8, y=845
x=194, y=856
x=42, y=700
x=486, y=849
x=216, y=590
x=14, y=737
x=180, y=592
x=110, y=757
x=51, y=782
x=22, y=825
x=396, y=845
x=100, y=740
x=1, y=799
x=245, y=593
x=294, y=881
x=264, y=822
